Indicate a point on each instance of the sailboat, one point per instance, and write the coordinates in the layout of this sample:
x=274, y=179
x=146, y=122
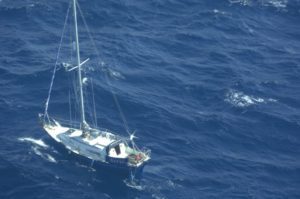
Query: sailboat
x=96, y=144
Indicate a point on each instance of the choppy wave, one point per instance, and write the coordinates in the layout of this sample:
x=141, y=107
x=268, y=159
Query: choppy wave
x=183, y=72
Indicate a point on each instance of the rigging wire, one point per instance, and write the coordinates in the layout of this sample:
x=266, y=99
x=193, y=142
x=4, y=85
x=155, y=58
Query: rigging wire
x=125, y=124
x=94, y=105
x=55, y=65
x=70, y=107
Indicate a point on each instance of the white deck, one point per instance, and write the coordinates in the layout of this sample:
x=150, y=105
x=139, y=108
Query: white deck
x=92, y=147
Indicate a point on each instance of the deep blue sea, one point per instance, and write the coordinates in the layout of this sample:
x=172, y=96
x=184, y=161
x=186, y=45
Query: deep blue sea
x=212, y=87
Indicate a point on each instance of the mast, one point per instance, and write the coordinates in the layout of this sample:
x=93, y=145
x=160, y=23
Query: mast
x=83, y=122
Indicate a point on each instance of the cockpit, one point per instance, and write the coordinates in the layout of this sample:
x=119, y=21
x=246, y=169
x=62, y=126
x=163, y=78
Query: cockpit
x=118, y=150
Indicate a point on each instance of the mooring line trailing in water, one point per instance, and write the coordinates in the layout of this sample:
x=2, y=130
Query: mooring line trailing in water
x=106, y=75
x=55, y=65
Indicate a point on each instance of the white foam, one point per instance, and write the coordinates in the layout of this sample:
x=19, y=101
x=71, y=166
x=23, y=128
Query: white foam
x=45, y=156
x=240, y=99
x=242, y=2
x=171, y=184
x=278, y=3
x=50, y=158
x=132, y=184
x=216, y=11
x=155, y=196
x=38, y=142
x=115, y=74
x=272, y=100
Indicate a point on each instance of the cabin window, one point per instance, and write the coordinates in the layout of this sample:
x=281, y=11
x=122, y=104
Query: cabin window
x=117, y=148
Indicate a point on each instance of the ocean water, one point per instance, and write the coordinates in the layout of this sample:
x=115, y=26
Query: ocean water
x=211, y=87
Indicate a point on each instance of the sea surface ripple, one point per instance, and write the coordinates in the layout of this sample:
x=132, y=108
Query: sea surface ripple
x=211, y=87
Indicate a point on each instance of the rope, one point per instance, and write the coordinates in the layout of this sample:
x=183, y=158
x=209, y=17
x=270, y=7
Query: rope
x=55, y=66
x=94, y=105
x=125, y=125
